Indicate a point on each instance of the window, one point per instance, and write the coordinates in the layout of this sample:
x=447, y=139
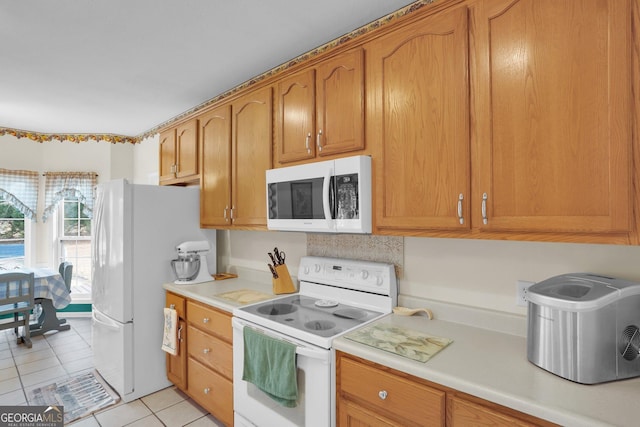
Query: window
x=74, y=237
x=12, y=235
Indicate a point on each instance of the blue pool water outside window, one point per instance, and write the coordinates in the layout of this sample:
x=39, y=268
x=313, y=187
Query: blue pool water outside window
x=12, y=235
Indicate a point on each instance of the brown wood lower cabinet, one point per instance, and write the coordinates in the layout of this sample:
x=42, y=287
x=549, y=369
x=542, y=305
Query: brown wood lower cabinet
x=203, y=368
x=369, y=394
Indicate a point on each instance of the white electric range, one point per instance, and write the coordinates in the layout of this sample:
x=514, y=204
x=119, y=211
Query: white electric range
x=335, y=296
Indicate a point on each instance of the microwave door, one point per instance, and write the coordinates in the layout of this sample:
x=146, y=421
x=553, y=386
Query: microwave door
x=299, y=198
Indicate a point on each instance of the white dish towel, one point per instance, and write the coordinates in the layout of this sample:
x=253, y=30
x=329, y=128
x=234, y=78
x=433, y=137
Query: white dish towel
x=170, y=334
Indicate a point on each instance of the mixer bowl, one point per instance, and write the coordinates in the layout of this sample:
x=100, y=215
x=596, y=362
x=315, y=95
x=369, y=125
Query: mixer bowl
x=186, y=269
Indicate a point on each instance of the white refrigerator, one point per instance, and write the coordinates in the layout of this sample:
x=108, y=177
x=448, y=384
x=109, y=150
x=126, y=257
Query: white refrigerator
x=135, y=231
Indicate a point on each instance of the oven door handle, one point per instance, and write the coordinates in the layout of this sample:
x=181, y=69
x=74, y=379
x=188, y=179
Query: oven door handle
x=321, y=355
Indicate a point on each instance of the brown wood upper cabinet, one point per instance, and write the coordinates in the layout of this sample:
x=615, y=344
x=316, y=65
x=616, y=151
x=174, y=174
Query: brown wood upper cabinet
x=236, y=142
x=419, y=91
x=552, y=89
x=505, y=116
x=320, y=111
x=179, y=154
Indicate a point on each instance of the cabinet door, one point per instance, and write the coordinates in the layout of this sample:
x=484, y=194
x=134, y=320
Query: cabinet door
x=340, y=104
x=215, y=183
x=461, y=412
x=418, y=96
x=167, y=155
x=351, y=414
x=187, y=149
x=177, y=365
x=553, y=123
x=295, y=117
x=252, y=130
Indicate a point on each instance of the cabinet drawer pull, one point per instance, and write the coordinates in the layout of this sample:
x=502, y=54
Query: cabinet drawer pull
x=206, y=350
x=306, y=143
x=485, y=220
x=460, y=217
x=206, y=390
x=382, y=394
x=232, y=209
x=180, y=333
x=319, y=140
x=205, y=320
x=226, y=208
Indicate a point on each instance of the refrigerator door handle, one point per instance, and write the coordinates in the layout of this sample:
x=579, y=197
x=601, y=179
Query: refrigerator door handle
x=105, y=321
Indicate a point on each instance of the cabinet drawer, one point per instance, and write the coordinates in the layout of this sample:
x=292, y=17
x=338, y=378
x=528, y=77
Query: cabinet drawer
x=212, y=391
x=392, y=394
x=211, y=351
x=178, y=302
x=210, y=320
x=462, y=412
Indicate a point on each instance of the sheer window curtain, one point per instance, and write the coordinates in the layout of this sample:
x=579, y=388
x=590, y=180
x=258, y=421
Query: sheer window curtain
x=59, y=185
x=20, y=187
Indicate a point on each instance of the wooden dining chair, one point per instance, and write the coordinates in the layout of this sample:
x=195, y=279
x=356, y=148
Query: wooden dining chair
x=16, y=303
x=66, y=271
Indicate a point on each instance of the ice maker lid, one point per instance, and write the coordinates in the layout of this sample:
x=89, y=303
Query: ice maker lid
x=580, y=291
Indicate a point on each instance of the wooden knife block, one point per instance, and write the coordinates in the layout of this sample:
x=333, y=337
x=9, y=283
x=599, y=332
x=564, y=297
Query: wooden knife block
x=283, y=284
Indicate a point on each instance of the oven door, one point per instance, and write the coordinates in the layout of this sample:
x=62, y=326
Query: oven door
x=254, y=408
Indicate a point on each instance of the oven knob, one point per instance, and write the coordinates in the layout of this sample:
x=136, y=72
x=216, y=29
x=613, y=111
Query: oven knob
x=364, y=274
x=379, y=280
x=317, y=268
x=306, y=269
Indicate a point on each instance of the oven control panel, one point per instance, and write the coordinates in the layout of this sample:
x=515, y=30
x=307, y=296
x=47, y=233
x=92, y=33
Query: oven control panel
x=368, y=276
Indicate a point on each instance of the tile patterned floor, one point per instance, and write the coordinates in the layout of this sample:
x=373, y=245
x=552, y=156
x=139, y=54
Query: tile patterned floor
x=60, y=354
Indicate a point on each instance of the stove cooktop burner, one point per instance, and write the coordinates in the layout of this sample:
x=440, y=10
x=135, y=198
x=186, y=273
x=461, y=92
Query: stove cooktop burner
x=316, y=316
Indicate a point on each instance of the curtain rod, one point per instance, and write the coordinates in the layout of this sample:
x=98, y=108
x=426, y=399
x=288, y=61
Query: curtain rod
x=71, y=173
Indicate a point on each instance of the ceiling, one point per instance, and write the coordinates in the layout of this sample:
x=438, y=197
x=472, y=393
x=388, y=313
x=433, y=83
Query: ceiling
x=124, y=67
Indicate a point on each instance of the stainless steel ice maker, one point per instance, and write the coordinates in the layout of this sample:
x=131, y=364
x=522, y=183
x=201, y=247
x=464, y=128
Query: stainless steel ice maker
x=585, y=327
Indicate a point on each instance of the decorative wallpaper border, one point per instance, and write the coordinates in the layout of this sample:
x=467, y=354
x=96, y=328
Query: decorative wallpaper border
x=76, y=137
x=114, y=139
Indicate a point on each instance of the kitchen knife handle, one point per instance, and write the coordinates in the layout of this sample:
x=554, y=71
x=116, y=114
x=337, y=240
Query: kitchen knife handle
x=273, y=259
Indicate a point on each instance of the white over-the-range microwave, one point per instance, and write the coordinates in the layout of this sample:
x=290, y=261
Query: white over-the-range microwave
x=332, y=196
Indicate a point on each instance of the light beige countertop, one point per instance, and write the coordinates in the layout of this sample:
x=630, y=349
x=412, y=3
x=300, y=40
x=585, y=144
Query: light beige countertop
x=494, y=366
x=212, y=293
x=488, y=362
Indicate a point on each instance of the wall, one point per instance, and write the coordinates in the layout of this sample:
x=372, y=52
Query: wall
x=109, y=161
x=475, y=273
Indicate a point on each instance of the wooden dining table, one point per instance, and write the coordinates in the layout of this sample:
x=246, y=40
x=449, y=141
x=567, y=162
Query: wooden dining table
x=51, y=293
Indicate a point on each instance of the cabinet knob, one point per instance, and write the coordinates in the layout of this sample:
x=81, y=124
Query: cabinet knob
x=206, y=390
x=172, y=306
x=206, y=350
x=382, y=394
x=205, y=320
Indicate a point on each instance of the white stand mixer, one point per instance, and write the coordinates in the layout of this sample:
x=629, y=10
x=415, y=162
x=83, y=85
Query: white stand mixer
x=191, y=255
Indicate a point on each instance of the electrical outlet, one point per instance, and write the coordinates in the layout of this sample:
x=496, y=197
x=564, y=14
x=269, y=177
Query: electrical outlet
x=521, y=292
